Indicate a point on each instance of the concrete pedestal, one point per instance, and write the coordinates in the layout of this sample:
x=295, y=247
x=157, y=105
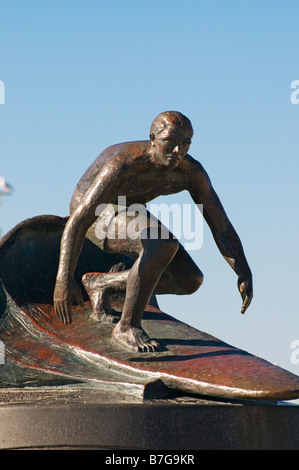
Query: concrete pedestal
x=78, y=418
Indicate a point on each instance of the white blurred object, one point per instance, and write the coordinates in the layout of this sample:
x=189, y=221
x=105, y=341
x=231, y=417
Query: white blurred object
x=5, y=188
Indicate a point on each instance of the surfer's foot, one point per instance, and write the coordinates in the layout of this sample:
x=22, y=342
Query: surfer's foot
x=134, y=338
x=95, y=287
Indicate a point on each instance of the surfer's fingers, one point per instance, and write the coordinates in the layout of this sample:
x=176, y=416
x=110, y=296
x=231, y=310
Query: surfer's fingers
x=59, y=312
x=62, y=312
x=246, y=303
x=67, y=313
x=57, y=309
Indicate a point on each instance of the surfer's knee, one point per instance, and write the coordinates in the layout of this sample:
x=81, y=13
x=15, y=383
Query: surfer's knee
x=193, y=282
x=161, y=249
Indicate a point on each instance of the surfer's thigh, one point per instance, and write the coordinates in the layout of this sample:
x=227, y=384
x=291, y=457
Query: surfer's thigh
x=134, y=232
x=182, y=276
x=97, y=233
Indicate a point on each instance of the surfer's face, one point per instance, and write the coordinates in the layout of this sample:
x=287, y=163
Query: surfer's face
x=171, y=146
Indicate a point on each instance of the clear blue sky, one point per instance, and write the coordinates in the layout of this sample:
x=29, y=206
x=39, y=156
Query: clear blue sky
x=80, y=76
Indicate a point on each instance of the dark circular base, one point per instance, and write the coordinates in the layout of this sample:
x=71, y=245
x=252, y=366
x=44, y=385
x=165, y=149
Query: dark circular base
x=86, y=419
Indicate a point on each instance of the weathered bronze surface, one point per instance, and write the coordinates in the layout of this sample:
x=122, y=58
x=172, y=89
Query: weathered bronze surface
x=40, y=350
x=139, y=172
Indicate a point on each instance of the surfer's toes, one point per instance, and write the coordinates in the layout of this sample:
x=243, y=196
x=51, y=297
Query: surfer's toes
x=151, y=346
x=92, y=280
x=134, y=339
x=117, y=267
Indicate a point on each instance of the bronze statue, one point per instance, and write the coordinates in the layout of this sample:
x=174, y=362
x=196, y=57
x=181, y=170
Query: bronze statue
x=140, y=171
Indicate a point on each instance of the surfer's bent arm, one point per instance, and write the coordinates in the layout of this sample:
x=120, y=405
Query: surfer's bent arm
x=66, y=289
x=225, y=236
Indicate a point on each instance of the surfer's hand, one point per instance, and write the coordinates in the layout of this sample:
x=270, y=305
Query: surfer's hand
x=64, y=295
x=246, y=291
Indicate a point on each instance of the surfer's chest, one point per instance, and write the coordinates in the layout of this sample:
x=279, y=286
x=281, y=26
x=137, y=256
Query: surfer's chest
x=151, y=186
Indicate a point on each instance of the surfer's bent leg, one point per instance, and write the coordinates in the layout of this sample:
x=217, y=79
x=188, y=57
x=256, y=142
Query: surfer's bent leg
x=161, y=266
x=142, y=279
x=181, y=277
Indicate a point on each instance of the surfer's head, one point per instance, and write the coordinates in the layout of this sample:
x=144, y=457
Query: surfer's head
x=170, y=135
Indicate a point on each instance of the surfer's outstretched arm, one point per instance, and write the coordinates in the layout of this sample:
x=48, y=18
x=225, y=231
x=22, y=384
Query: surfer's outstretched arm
x=225, y=236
